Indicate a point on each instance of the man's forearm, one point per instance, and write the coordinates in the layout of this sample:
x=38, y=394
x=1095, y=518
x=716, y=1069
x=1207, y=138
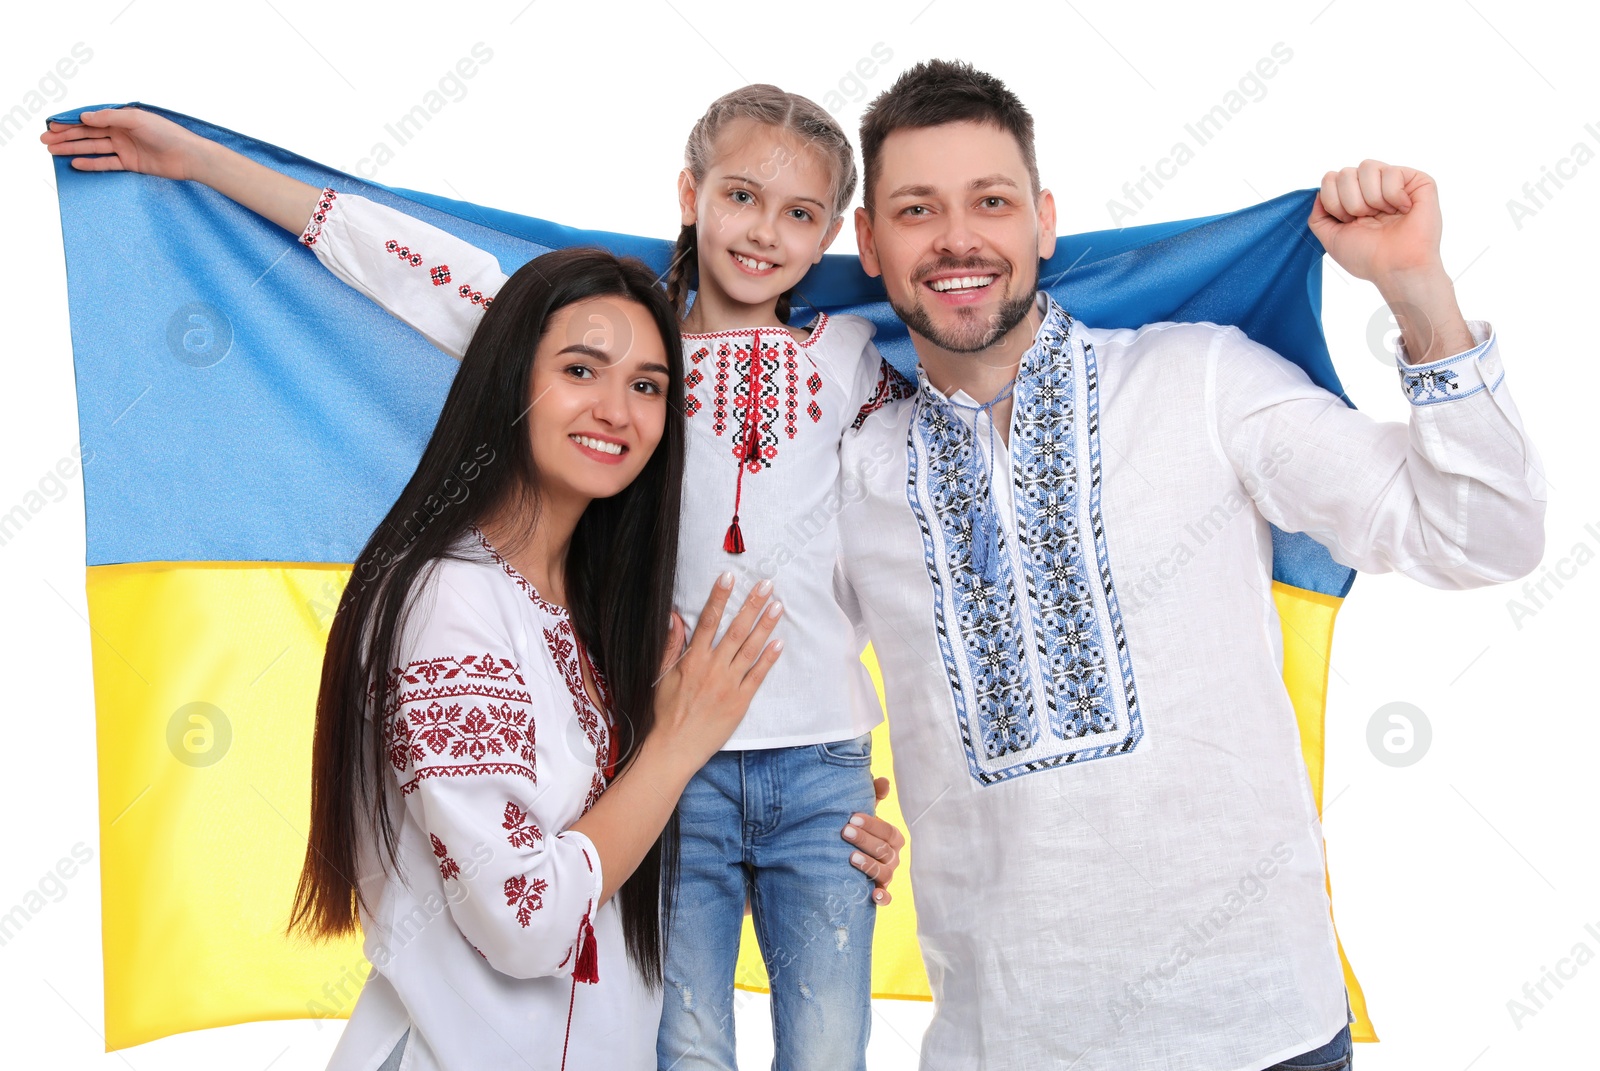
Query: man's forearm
x=1430, y=321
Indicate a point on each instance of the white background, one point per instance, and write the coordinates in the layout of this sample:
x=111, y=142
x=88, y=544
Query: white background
x=1457, y=879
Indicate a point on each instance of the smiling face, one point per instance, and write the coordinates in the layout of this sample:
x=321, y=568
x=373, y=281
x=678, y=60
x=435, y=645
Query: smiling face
x=763, y=215
x=956, y=232
x=599, y=399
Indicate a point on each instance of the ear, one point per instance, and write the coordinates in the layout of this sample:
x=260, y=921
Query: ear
x=827, y=239
x=867, y=248
x=1047, y=224
x=686, y=198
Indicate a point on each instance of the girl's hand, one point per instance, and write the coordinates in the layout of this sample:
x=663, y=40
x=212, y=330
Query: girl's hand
x=706, y=687
x=128, y=139
x=877, y=845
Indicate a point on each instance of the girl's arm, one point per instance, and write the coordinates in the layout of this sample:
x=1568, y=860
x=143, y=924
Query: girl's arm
x=130, y=139
x=425, y=277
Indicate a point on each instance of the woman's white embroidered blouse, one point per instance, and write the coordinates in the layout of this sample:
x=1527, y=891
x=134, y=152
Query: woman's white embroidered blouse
x=495, y=951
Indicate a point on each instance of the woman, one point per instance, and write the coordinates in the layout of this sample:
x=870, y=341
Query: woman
x=492, y=667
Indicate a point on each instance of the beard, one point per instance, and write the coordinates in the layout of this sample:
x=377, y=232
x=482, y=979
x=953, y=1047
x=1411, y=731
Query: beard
x=973, y=332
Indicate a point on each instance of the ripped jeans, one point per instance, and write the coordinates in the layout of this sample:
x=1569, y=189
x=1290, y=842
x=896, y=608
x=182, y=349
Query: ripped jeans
x=765, y=824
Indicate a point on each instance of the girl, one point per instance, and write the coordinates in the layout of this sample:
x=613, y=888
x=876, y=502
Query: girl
x=767, y=178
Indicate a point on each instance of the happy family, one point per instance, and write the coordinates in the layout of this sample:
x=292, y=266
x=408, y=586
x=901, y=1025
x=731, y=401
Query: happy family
x=683, y=737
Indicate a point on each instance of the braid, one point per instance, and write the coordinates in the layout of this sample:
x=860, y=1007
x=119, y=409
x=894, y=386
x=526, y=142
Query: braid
x=682, y=272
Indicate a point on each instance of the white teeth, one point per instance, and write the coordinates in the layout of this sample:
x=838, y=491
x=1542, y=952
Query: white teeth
x=597, y=444
x=966, y=282
x=749, y=262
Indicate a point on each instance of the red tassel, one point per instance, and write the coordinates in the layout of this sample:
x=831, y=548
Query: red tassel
x=587, y=969
x=733, y=542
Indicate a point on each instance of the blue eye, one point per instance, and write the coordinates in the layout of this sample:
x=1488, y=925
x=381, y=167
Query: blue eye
x=800, y=214
x=748, y=197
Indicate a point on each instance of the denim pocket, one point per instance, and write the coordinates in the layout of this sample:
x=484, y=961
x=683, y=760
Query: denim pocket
x=856, y=752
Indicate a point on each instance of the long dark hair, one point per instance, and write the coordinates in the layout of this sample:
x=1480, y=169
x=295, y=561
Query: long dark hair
x=619, y=572
x=771, y=106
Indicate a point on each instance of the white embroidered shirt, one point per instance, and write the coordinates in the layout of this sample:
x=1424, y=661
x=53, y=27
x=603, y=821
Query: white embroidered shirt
x=494, y=750
x=1118, y=858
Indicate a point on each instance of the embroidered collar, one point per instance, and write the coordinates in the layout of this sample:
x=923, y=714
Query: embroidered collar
x=521, y=581
x=818, y=326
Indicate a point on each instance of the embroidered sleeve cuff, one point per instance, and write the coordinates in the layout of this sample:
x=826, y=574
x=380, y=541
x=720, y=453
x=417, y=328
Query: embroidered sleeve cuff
x=319, y=216
x=1458, y=376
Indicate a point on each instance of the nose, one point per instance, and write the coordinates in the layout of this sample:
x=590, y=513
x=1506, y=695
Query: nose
x=763, y=230
x=957, y=238
x=611, y=402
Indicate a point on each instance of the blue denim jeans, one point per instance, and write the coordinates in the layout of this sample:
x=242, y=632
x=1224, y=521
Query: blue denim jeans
x=765, y=824
x=1334, y=1056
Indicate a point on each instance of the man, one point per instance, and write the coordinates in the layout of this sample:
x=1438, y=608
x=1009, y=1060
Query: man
x=1118, y=859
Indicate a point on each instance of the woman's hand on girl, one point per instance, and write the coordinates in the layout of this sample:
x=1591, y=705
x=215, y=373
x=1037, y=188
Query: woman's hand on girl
x=706, y=686
x=877, y=844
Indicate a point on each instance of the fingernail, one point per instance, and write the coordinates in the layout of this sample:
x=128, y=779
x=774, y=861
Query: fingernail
x=857, y=820
x=777, y=646
x=878, y=895
x=858, y=859
x=775, y=609
x=725, y=580
x=763, y=589
x=849, y=833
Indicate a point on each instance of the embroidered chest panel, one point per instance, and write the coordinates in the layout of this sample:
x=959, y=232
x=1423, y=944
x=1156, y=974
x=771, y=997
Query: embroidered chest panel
x=757, y=388
x=1034, y=652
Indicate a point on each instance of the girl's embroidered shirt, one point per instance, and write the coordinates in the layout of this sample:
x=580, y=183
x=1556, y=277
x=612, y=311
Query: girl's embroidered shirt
x=487, y=947
x=765, y=412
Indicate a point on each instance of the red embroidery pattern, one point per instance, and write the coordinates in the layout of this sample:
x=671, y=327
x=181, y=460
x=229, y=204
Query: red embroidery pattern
x=458, y=716
x=525, y=896
x=720, y=411
x=439, y=274
x=791, y=378
x=404, y=253
x=691, y=406
x=319, y=216
x=524, y=833
x=447, y=866
x=565, y=650
x=892, y=386
x=596, y=787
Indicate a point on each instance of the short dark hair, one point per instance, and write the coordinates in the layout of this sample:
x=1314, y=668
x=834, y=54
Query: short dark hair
x=936, y=92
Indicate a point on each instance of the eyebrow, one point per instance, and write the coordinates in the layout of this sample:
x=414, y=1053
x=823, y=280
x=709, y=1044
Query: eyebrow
x=607, y=358
x=748, y=181
x=924, y=190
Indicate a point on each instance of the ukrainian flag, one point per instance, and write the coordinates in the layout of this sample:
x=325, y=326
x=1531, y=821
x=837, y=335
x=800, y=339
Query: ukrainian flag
x=251, y=419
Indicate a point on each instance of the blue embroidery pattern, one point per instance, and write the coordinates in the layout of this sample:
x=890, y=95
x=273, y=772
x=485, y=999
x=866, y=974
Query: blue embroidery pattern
x=1431, y=385
x=1045, y=658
